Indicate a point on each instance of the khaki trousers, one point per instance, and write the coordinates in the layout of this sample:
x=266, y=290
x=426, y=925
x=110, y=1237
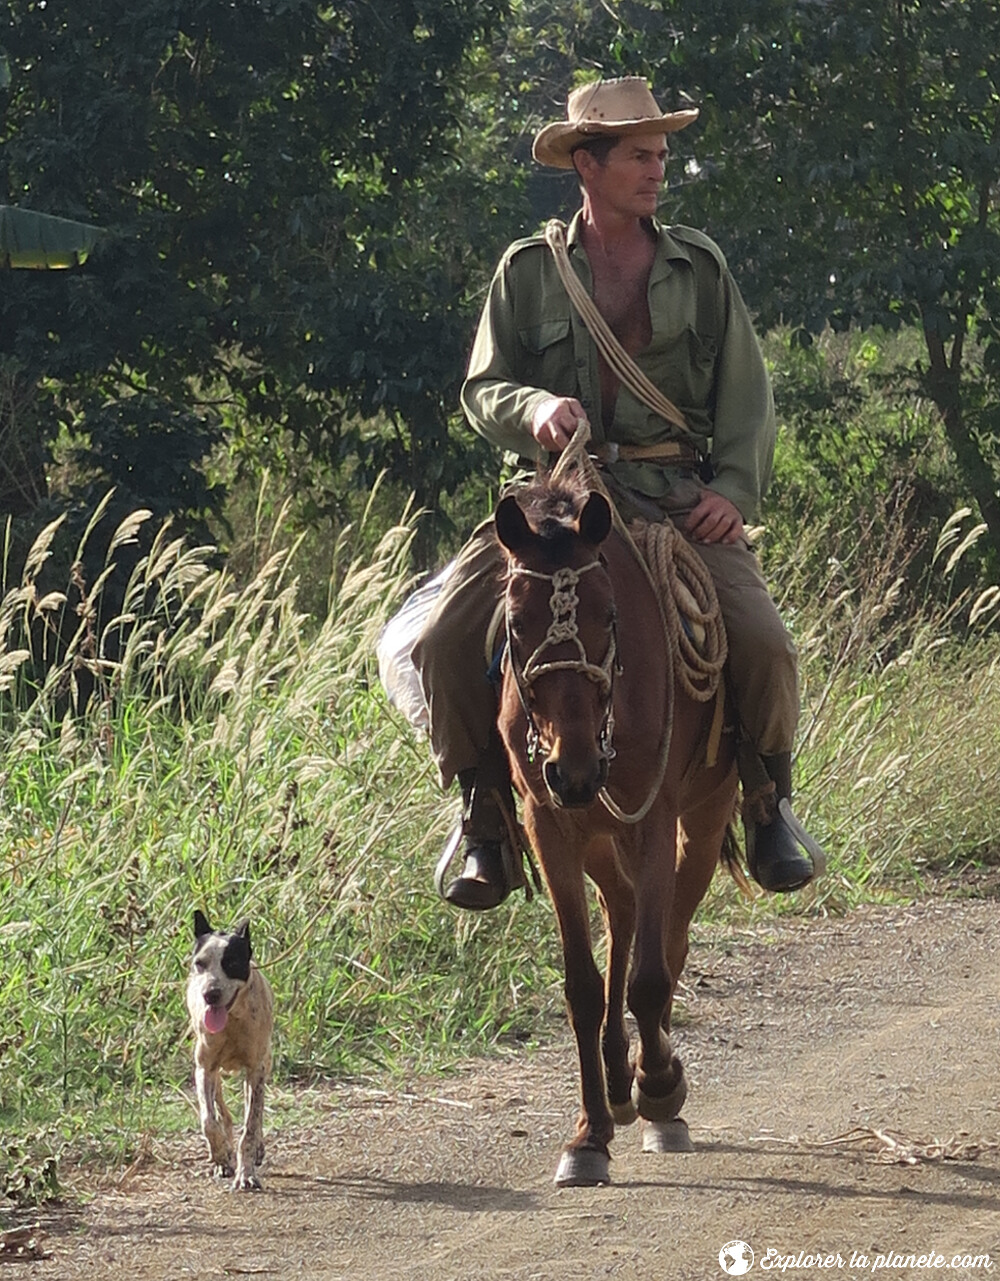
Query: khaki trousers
x=762, y=669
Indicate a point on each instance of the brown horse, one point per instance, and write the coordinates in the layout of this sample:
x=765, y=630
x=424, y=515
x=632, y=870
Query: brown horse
x=608, y=754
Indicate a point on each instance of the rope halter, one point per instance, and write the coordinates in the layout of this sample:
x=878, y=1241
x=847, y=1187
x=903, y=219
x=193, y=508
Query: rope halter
x=563, y=629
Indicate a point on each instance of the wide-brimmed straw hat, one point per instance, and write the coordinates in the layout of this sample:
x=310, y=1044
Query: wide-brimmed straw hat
x=618, y=107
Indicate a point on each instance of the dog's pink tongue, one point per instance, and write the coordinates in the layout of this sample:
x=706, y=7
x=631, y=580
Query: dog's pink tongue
x=215, y=1018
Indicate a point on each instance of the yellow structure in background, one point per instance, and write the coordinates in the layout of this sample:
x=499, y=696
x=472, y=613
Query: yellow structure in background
x=41, y=241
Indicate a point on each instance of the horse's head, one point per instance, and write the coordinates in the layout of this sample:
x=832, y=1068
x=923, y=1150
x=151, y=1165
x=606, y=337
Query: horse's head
x=561, y=643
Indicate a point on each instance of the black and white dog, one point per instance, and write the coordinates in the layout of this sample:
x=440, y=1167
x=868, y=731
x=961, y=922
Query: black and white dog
x=232, y=1014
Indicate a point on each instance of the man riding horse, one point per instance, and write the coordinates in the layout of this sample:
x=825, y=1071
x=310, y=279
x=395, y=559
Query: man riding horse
x=535, y=372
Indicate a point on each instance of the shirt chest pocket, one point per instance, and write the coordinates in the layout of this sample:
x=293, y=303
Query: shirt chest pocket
x=683, y=366
x=547, y=352
x=537, y=339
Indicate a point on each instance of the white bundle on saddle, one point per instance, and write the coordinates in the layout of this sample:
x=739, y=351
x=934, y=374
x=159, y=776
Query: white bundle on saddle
x=394, y=651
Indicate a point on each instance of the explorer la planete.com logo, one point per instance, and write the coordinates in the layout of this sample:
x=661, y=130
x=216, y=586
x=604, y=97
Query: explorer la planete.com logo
x=736, y=1258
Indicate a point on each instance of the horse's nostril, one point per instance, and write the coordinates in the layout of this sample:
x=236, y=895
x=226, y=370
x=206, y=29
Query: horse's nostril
x=571, y=790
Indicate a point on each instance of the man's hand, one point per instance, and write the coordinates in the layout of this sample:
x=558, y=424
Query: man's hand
x=554, y=422
x=714, y=520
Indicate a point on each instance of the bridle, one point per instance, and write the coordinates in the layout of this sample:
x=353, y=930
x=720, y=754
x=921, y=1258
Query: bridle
x=563, y=629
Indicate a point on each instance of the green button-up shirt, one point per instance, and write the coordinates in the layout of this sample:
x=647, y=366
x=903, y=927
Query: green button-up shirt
x=704, y=356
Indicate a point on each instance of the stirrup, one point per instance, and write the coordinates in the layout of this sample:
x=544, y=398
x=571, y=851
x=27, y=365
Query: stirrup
x=794, y=867
x=474, y=893
x=461, y=891
x=809, y=843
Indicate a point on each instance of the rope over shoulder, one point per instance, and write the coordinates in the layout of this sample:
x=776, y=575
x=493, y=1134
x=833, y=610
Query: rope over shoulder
x=678, y=573
x=622, y=365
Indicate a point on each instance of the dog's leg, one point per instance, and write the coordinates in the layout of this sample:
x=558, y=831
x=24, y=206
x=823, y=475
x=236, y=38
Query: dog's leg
x=218, y=1134
x=251, y=1149
x=226, y=1118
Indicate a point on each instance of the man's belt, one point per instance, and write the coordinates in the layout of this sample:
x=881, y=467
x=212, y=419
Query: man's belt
x=669, y=451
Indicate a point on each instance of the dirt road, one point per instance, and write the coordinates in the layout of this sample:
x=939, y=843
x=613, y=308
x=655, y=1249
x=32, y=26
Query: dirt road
x=811, y=1049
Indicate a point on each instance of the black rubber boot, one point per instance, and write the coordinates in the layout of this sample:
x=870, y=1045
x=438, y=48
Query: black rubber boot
x=774, y=855
x=489, y=870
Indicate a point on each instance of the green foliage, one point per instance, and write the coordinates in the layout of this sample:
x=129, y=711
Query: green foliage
x=288, y=220
x=29, y=1168
x=854, y=440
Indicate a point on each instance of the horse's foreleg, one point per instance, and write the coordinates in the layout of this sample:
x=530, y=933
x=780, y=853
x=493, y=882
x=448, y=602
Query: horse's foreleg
x=586, y=1159
x=701, y=834
x=618, y=908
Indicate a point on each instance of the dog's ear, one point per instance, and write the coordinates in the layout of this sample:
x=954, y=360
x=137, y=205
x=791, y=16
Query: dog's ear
x=236, y=955
x=201, y=925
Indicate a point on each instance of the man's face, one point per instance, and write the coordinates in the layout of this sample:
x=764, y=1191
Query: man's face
x=630, y=179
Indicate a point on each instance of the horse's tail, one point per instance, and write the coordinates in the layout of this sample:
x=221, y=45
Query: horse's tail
x=731, y=856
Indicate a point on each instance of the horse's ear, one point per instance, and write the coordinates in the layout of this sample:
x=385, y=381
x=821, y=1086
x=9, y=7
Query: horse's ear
x=595, y=520
x=511, y=523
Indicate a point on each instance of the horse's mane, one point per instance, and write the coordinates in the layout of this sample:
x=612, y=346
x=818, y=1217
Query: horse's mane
x=551, y=507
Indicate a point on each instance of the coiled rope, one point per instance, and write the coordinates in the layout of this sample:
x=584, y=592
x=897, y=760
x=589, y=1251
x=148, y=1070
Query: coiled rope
x=693, y=620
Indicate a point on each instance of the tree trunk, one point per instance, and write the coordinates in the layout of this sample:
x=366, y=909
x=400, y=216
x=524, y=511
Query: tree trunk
x=943, y=385
x=23, y=482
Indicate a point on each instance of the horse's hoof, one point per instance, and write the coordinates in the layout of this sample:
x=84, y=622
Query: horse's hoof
x=660, y=1107
x=624, y=1113
x=583, y=1168
x=666, y=1136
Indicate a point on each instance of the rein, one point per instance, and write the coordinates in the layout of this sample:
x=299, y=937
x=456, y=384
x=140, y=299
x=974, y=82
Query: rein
x=574, y=457
x=667, y=553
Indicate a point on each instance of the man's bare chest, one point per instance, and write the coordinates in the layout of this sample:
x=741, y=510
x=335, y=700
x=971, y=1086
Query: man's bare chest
x=620, y=292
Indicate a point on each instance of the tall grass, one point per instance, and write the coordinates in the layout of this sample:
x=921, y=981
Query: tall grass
x=238, y=757
x=899, y=746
